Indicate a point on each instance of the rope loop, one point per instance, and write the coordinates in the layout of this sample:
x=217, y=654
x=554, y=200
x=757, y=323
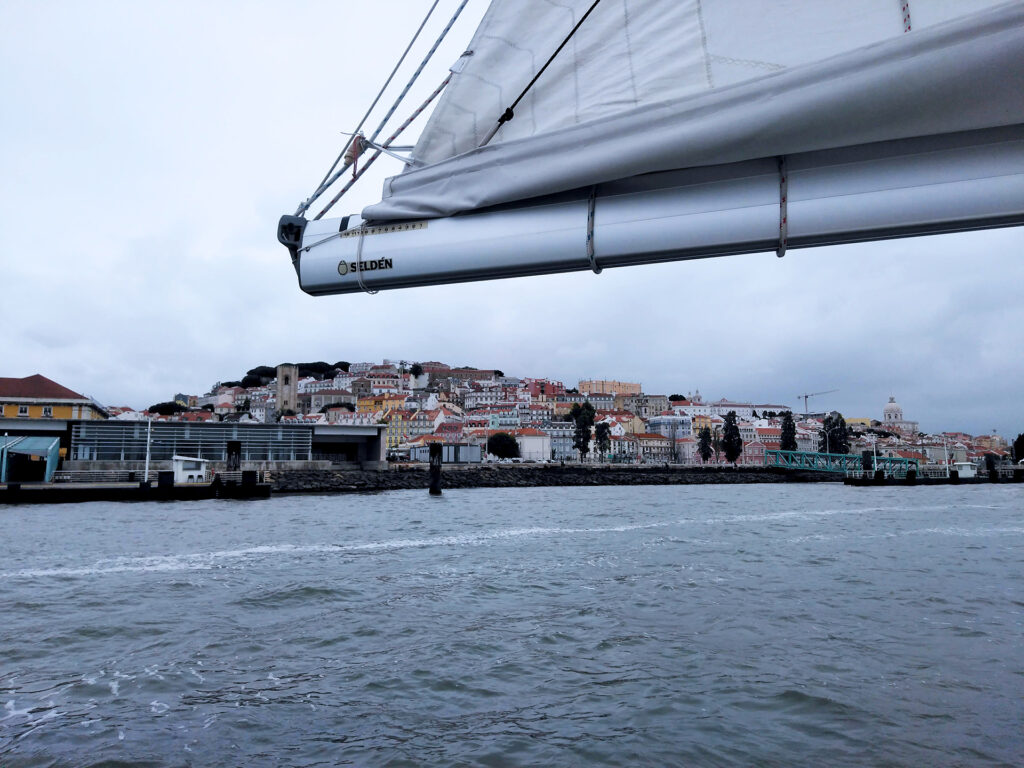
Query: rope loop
x=359, y=261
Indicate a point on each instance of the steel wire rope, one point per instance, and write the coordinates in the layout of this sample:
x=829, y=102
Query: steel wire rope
x=377, y=154
x=303, y=207
x=329, y=179
x=387, y=143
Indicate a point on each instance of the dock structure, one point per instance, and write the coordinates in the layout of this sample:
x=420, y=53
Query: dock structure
x=230, y=485
x=838, y=462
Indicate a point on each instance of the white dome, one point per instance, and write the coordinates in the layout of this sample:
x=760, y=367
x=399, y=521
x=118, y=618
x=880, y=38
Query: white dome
x=893, y=411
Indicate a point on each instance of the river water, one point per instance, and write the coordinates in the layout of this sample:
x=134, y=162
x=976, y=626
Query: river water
x=687, y=625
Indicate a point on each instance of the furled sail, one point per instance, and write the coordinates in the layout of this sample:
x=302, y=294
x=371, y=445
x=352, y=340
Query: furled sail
x=726, y=126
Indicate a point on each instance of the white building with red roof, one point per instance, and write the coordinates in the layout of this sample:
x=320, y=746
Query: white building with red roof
x=534, y=444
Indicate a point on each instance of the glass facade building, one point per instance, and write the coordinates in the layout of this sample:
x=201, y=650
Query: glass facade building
x=126, y=441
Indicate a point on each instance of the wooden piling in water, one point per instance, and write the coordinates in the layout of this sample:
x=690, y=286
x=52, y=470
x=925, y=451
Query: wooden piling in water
x=436, y=453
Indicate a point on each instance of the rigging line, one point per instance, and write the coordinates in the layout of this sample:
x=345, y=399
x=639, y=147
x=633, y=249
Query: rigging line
x=444, y=32
x=419, y=69
x=387, y=143
x=508, y=114
x=321, y=187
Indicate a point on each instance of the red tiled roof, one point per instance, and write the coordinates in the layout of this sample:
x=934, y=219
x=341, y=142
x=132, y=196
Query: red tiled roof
x=36, y=385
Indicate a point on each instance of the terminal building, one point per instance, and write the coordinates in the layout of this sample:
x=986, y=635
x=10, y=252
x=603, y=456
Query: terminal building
x=228, y=446
x=75, y=431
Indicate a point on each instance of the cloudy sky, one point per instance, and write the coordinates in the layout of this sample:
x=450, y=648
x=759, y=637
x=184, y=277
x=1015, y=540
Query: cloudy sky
x=147, y=150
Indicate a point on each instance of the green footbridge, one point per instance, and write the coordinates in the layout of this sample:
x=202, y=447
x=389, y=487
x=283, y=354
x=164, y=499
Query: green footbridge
x=837, y=462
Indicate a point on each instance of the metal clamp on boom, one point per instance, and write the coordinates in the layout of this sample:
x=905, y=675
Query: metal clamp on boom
x=591, y=206
x=783, y=207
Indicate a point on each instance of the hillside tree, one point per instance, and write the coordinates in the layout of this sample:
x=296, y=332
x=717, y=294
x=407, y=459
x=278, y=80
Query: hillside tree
x=583, y=417
x=732, y=443
x=503, y=445
x=835, y=436
x=704, y=449
x=788, y=440
x=167, y=409
x=603, y=438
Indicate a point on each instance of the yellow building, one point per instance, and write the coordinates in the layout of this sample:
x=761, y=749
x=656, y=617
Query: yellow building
x=37, y=397
x=590, y=386
x=397, y=429
x=382, y=402
x=699, y=421
x=858, y=421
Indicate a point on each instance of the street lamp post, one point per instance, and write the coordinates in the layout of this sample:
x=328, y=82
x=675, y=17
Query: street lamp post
x=149, y=433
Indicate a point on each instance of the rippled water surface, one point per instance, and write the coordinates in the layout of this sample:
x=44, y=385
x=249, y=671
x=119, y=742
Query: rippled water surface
x=715, y=625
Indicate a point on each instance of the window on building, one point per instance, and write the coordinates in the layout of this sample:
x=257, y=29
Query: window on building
x=47, y=411
x=23, y=410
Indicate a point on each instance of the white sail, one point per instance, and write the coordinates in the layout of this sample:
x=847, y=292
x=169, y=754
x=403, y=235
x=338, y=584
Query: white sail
x=667, y=84
x=674, y=129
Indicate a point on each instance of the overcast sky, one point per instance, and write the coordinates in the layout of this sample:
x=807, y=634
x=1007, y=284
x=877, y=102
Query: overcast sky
x=148, y=149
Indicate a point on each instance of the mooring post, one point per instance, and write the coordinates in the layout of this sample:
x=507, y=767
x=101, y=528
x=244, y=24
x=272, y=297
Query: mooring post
x=436, y=452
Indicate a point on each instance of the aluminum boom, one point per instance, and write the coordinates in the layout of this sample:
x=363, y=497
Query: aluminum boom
x=950, y=183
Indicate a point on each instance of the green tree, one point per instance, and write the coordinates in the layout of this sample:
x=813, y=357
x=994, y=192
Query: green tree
x=583, y=417
x=716, y=444
x=416, y=370
x=603, y=438
x=317, y=370
x=264, y=372
x=788, y=441
x=342, y=365
x=167, y=409
x=503, y=445
x=835, y=436
x=675, y=398
x=704, y=449
x=732, y=443
x=1018, y=447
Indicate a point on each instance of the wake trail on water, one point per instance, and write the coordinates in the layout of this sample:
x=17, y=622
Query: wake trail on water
x=198, y=561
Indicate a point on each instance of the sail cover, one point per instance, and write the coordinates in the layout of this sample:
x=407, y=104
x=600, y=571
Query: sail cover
x=656, y=85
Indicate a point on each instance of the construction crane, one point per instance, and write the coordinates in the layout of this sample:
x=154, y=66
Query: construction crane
x=809, y=395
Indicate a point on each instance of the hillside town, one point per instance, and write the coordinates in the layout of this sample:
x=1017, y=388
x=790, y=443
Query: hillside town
x=414, y=404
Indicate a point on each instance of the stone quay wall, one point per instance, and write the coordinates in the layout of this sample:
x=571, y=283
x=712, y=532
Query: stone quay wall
x=415, y=478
